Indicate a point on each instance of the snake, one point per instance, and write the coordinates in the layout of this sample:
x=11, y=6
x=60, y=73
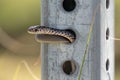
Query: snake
x=67, y=34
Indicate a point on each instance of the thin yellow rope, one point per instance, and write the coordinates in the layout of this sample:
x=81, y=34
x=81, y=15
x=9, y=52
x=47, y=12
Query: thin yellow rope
x=28, y=69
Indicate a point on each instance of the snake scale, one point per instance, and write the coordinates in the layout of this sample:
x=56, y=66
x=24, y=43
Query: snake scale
x=69, y=35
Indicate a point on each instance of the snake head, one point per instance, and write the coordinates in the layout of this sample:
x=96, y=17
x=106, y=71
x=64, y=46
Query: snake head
x=34, y=29
x=48, y=34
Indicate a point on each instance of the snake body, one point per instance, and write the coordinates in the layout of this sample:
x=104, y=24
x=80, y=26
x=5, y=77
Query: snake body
x=43, y=30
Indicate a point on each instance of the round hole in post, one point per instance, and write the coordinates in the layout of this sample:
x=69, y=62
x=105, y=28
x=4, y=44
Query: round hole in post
x=107, y=4
x=69, y=67
x=73, y=34
x=107, y=64
x=107, y=33
x=69, y=5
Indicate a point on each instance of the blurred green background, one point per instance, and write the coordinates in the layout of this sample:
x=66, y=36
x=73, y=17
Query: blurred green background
x=19, y=52
x=117, y=43
x=19, y=48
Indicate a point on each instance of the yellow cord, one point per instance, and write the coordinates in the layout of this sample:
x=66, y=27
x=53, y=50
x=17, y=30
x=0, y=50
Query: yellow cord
x=16, y=72
x=28, y=69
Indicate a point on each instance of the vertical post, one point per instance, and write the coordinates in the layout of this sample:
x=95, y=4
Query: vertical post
x=64, y=61
x=107, y=44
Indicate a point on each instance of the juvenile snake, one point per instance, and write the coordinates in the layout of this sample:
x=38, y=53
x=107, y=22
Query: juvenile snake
x=43, y=30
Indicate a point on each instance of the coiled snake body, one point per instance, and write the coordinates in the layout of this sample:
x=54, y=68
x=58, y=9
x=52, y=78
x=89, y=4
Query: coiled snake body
x=47, y=31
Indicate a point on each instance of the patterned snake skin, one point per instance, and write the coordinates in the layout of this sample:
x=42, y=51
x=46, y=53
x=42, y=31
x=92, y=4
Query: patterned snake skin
x=68, y=34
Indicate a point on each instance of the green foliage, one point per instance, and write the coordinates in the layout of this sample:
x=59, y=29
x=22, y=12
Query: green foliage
x=17, y=15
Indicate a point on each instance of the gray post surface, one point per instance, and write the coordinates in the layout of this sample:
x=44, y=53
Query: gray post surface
x=99, y=63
